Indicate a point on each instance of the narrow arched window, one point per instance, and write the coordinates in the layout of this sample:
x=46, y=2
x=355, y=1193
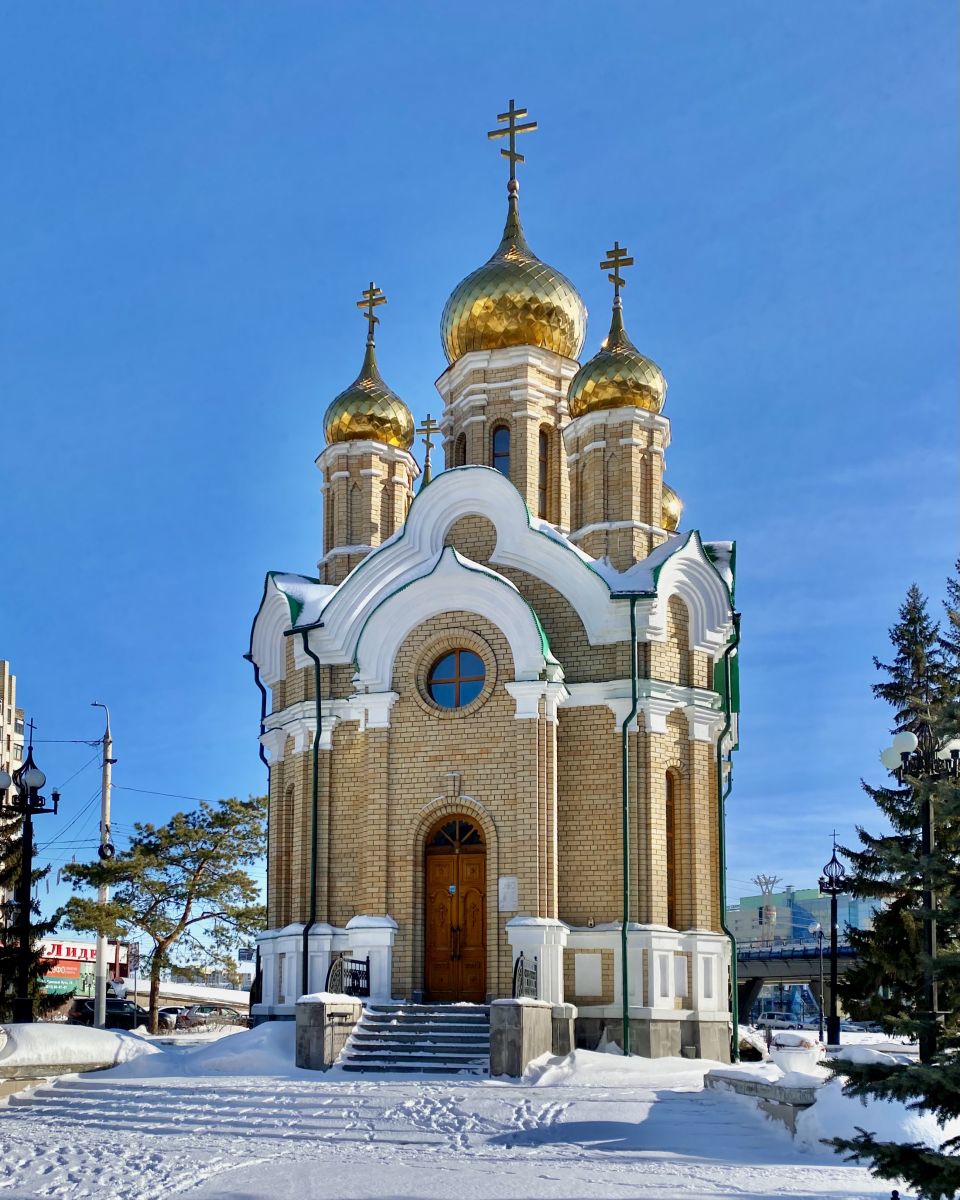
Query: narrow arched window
x=543, y=473
x=460, y=451
x=670, y=832
x=500, y=450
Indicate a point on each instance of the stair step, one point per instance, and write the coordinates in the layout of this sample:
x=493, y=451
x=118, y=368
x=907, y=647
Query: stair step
x=420, y=1038
x=430, y=1038
x=408, y=1069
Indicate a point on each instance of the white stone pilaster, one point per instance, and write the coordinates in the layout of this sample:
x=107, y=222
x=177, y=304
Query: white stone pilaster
x=373, y=937
x=544, y=939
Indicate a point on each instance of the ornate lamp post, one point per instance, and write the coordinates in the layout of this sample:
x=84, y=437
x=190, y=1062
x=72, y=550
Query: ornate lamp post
x=817, y=931
x=21, y=795
x=908, y=757
x=833, y=882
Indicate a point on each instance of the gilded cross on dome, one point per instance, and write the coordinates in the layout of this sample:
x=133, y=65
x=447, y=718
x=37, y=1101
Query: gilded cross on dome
x=428, y=429
x=372, y=298
x=512, y=116
x=617, y=258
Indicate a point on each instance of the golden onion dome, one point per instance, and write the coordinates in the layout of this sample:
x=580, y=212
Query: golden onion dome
x=368, y=410
x=671, y=510
x=618, y=376
x=514, y=299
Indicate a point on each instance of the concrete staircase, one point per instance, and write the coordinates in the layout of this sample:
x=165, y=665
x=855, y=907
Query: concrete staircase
x=429, y=1039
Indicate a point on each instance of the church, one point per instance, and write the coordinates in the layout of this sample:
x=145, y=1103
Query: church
x=499, y=720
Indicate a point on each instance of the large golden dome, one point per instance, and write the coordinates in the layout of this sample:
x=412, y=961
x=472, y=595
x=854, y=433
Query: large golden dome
x=618, y=376
x=514, y=299
x=369, y=411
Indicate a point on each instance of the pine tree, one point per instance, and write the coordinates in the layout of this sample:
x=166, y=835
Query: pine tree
x=922, y=688
x=885, y=985
x=176, y=880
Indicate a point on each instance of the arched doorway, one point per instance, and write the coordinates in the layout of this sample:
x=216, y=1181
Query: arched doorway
x=455, y=920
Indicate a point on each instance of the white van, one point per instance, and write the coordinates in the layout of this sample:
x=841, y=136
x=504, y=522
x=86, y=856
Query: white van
x=778, y=1020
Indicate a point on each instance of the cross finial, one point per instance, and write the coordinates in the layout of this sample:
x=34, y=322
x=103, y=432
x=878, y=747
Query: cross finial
x=31, y=727
x=617, y=258
x=511, y=117
x=372, y=298
x=428, y=428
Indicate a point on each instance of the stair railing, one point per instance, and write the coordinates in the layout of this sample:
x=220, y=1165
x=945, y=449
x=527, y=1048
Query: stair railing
x=349, y=976
x=525, y=977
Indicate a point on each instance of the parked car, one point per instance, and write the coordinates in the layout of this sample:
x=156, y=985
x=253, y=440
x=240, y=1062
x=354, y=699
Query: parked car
x=778, y=1020
x=121, y=1014
x=210, y=1016
x=167, y=1016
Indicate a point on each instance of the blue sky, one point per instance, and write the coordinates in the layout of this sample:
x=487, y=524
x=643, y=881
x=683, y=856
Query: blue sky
x=194, y=195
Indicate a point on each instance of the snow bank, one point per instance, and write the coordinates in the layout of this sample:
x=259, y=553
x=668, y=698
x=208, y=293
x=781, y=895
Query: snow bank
x=269, y=1049
x=837, y=1115
x=44, y=1045
x=588, y=1068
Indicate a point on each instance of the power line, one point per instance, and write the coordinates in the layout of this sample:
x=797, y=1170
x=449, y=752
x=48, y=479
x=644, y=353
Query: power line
x=169, y=795
x=68, y=741
x=89, y=763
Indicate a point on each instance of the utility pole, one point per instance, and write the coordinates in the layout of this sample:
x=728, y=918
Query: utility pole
x=106, y=852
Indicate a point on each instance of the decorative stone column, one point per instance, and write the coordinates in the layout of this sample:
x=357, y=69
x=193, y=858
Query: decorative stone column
x=373, y=937
x=544, y=939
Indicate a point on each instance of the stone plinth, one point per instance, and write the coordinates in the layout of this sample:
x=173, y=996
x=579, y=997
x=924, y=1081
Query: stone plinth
x=520, y=1031
x=323, y=1027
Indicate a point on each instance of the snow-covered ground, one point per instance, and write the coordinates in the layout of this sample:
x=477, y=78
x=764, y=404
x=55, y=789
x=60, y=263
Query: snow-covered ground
x=233, y=1120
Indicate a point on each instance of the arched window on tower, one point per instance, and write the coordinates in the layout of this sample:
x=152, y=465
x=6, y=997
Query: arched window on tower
x=670, y=831
x=460, y=451
x=543, y=473
x=500, y=450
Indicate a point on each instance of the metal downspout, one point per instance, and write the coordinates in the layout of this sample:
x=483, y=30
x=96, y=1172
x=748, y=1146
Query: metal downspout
x=314, y=805
x=722, y=794
x=258, y=976
x=625, y=785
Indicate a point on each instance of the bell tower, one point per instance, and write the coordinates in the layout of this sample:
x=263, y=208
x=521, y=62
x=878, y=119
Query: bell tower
x=620, y=508
x=368, y=470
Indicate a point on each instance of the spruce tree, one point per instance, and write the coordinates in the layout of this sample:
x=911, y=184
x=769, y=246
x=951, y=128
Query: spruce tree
x=885, y=984
x=921, y=688
x=11, y=859
x=950, y=638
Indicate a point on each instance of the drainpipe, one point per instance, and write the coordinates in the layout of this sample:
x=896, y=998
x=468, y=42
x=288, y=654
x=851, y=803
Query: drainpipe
x=258, y=977
x=314, y=805
x=625, y=785
x=722, y=794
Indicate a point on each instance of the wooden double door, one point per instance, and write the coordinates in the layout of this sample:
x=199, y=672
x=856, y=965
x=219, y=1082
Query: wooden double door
x=455, y=958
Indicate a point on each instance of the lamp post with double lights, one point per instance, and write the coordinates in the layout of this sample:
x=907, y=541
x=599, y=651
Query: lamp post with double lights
x=20, y=795
x=833, y=883
x=910, y=758
x=817, y=931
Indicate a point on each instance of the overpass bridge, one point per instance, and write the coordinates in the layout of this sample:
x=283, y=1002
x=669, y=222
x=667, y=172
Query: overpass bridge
x=792, y=962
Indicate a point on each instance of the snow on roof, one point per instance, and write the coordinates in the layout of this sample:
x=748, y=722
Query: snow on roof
x=193, y=992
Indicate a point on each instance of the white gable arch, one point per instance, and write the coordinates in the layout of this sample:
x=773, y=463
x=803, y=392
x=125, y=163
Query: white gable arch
x=690, y=575
x=267, y=643
x=451, y=584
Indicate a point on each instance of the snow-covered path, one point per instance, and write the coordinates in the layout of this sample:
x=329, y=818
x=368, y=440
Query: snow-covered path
x=336, y=1137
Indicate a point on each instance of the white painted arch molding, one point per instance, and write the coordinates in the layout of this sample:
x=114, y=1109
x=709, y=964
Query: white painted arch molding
x=451, y=583
x=689, y=574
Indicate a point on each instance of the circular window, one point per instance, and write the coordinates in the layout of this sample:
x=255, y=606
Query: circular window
x=456, y=679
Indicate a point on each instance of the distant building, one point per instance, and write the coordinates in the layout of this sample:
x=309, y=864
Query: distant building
x=793, y=911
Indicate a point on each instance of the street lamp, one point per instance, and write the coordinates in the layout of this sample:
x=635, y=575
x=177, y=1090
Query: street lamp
x=833, y=883
x=817, y=931
x=908, y=756
x=20, y=794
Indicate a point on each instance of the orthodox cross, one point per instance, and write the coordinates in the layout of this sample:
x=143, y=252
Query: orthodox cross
x=372, y=298
x=511, y=116
x=617, y=258
x=428, y=429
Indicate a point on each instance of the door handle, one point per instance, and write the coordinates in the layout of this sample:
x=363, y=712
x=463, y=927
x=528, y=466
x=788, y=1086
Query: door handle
x=453, y=953
x=457, y=932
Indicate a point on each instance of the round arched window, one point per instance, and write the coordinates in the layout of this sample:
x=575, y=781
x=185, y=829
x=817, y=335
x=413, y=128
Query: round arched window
x=456, y=679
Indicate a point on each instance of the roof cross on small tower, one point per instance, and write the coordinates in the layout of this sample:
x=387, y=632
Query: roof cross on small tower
x=372, y=298
x=617, y=258
x=512, y=116
x=31, y=727
x=428, y=429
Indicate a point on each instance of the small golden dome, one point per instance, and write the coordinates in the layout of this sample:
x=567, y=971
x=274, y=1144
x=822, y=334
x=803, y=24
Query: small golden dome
x=618, y=376
x=369, y=410
x=671, y=510
x=514, y=299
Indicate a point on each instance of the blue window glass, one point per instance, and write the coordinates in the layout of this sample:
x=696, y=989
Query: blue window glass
x=500, y=450
x=456, y=679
